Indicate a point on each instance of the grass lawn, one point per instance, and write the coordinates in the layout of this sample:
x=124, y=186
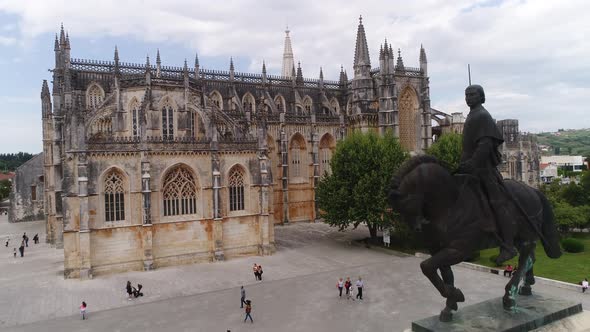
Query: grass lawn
x=569, y=267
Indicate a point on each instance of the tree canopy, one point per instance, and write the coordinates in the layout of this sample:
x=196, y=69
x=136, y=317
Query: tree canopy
x=356, y=190
x=448, y=148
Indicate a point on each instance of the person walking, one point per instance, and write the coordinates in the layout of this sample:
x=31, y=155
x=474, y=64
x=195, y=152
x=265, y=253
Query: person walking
x=24, y=237
x=340, y=285
x=14, y=252
x=7, y=240
x=248, y=311
x=255, y=270
x=83, y=310
x=36, y=239
x=259, y=272
x=584, y=285
x=129, y=290
x=359, y=287
x=347, y=285
x=350, y=293
x=22, y=249
x=242, y=297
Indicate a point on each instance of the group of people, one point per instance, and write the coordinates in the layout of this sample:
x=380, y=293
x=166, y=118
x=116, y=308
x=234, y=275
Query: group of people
x=132, y=291
x=347, y=286
x=248, y=304
x=24, y=243
x=257, y=269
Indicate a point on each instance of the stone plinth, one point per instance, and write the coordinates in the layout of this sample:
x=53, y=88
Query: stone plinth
x=489, y=316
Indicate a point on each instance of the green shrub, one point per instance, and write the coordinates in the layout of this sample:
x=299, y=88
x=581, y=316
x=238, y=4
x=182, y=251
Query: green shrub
x=572, y=245
x=493, y=260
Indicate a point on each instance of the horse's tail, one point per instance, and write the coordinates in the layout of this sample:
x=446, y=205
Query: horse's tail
x=548, y=228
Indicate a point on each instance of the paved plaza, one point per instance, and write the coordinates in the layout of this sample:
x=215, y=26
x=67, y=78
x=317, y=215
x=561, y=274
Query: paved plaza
x=298, y=292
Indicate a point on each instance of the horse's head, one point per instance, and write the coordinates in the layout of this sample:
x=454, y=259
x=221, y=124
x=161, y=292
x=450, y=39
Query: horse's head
x=417, y=188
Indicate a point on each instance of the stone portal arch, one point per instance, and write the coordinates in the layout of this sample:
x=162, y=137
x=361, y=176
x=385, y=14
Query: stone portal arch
x=408, y=119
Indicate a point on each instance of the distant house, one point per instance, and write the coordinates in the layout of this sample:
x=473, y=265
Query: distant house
x=7, y=176
x=570, y=163
x=28, y=189
x=548, y=172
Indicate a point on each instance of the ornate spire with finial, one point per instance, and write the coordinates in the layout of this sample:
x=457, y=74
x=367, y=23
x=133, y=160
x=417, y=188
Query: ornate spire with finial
x=299, y=72
x=56, y=44
x=231, y=68
x=196, y=65
x=147, y=63
x=264, y=72
x=288, y=60
x=321, y=82
x=422, y=54
x=400, y=62
x=423, y=61
x=362, y=61
x=62, y=35
x=185, y=67
x=68, y=41
x=45, y=89
x=158, y=63
x=341, y=80
x=116, y=59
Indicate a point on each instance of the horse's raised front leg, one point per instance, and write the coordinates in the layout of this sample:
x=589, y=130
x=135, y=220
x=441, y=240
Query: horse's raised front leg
x=442, y=260
x=525, y=263
x=529, y=278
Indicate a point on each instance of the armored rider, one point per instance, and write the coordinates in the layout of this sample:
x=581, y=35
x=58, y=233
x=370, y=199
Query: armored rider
x=480, y=157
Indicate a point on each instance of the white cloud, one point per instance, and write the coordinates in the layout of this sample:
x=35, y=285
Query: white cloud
x=7, y=41
x=529, y=55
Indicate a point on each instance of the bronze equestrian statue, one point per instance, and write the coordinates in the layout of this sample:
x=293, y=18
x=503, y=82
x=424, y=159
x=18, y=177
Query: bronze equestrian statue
x=473, y=209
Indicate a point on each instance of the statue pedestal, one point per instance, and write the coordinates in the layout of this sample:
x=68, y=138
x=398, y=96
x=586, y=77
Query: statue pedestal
x=532, y=312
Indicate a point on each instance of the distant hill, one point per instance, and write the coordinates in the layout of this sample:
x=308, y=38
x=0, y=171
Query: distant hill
x=566, y=142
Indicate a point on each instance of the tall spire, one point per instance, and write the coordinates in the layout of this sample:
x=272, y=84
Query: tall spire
x=231, y=68
x=362, y=62
x=299, y=73
x=62, y=35
x=422, y=54
x=423, y=61
x=45, y=89
x=321, y=82
x=158, y=63
x=288, y=61
x=400, y=62
x=67, y=42
x=56, y=44
x=263, y=72
x=196, y=66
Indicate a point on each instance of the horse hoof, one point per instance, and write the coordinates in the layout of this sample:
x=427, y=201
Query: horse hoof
x=452, y=304
x=530, y=280
x=457, y=295
x=525, y=290
x=508, y=303
x=445, y=316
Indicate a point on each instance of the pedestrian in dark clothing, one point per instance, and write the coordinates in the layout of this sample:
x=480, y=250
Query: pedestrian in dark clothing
x=25, y=239
x=359, y=287
x=22, y=250
x=260, y=272
x=243, y=297
x=255, y=270
x=7, y=242
x=129, y=290
x=14, y=252
x=248, y=311
x=347, y=285
x=36, y=239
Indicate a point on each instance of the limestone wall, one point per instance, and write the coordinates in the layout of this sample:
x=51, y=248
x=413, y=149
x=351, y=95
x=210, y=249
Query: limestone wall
x=28, y=189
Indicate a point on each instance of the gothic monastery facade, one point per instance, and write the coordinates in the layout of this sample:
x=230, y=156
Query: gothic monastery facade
x=147, y=165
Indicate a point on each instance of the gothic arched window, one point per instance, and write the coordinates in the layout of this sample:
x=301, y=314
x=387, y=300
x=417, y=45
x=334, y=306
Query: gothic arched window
x=236, y=189
x=167, y=123
x=95, y=96
x=216, y=99
x=248, y=103
x=114, y=197
x=179, y=192
x=307, y=105
x=297, y=156
x=280, y=104
x=135, y=119
x=327, y=145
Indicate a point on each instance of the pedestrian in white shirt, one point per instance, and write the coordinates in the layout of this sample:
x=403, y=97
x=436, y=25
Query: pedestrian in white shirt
x=584, y=285
x=359, y=287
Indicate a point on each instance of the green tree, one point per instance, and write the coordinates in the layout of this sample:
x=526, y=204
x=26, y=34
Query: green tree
x=448, y=148
x=574, y=194
x=356, y=191
x=5, y=187
x=569, y=217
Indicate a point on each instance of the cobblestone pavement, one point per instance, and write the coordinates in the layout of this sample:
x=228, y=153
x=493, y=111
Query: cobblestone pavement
x=298, y=292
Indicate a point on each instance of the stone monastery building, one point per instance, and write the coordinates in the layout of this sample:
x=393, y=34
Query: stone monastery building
x=148, y=165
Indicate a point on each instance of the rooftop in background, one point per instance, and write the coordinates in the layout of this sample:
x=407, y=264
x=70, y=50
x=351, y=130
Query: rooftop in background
x=7, y=176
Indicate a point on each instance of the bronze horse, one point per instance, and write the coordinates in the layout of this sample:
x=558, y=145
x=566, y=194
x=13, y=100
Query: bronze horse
x=447, y=209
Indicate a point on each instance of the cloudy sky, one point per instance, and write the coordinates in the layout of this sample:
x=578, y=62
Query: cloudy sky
x=531, y=56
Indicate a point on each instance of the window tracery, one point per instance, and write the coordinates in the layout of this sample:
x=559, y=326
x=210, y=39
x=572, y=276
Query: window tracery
x=236, y=189
x=167, y=122
x=307, y=105
x=179, y=192
x=114, y=197
x=95, y=96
